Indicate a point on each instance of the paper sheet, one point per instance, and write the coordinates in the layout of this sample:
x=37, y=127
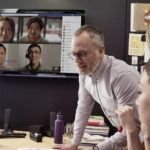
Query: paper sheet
x=34, y=149
x=136, y=46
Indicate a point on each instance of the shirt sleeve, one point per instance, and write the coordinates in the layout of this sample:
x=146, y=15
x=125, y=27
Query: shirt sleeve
x=125, y=90
x=83, y=111
x=115, y=142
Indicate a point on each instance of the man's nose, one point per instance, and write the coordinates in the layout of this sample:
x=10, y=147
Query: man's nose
x=77, y=59
x=33, y=30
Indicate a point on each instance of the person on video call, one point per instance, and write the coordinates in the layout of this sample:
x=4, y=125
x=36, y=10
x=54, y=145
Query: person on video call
x=126, y=114
x=34, y=29
x=3, y=65
x=109, y=81
x=7, y=29
x=34, y=55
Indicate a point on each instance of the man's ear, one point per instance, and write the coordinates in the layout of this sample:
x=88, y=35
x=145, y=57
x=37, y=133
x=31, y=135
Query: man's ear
x=101, y=49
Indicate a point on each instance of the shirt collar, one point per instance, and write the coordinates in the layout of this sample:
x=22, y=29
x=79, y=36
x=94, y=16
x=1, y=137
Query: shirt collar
x=100, y=71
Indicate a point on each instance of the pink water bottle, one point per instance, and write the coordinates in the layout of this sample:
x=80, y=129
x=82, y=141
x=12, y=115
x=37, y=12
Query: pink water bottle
x=59, y=128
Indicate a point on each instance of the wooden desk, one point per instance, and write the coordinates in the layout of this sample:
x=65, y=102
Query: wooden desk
x=15, y=143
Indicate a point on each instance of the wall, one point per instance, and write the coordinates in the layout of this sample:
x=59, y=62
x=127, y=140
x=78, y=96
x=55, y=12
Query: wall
x=31, y=99
x=128, y=58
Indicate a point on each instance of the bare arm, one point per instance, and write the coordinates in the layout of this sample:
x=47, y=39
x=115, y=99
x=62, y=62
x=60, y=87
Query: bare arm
x=133, y=140
x=126, y=118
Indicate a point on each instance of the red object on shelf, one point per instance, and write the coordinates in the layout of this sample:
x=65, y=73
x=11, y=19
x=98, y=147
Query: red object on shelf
x=94, y=123
x=102, y=123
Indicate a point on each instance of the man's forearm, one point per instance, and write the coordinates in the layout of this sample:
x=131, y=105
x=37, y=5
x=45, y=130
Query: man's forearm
x=133, y=140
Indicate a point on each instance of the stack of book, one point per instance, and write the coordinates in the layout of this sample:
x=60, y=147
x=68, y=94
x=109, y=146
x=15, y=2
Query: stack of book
x=96, y=130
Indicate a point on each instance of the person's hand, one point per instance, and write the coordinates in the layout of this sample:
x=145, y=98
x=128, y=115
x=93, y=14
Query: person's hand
x=126, y=118
x=65, y=147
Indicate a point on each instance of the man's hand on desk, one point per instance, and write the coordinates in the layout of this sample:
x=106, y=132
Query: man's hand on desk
x=65, y=147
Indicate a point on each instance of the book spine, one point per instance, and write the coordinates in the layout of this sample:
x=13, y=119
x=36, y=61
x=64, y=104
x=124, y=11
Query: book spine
x=96, y=123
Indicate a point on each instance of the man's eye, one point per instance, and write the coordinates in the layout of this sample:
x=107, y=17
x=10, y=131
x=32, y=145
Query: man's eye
x=83, y=54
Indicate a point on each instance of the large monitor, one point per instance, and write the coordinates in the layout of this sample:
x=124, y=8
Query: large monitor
x=38, y=41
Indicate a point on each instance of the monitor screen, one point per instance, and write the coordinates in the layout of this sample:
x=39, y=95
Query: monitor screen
x=38, y=41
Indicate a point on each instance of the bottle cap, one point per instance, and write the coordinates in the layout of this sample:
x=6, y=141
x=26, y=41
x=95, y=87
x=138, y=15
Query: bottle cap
x=59, y=113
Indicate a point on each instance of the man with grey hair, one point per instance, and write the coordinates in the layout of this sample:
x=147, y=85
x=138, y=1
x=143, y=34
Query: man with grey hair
x=104, y=79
